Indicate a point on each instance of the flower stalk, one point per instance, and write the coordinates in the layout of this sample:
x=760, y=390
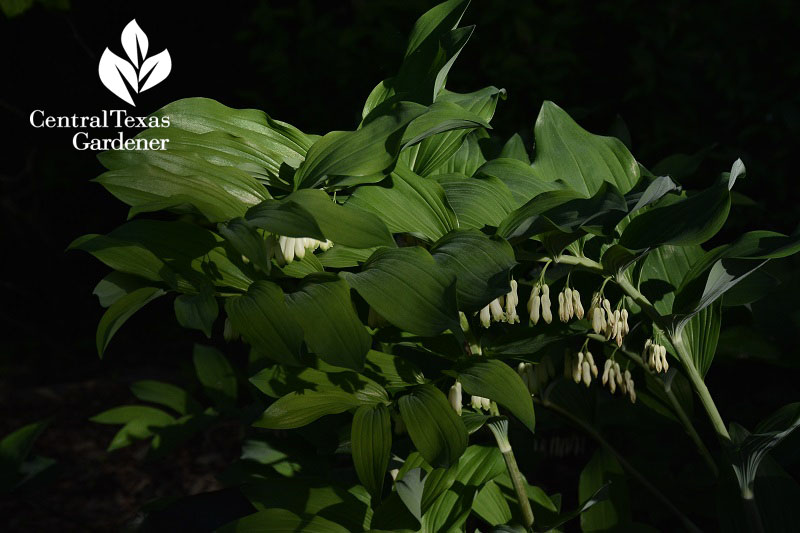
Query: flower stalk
x=499, y=427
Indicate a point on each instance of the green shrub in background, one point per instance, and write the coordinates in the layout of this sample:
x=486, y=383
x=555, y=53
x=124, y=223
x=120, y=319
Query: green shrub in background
x=422, y=288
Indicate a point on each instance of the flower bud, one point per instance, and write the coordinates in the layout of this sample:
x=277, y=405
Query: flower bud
x=547, y=315
x=455, y=397
x=562, y=309
x=568, y=303
x=587, y=373
x=496, y=307
x=485, y=317
x=606, y=370
x=576, y=304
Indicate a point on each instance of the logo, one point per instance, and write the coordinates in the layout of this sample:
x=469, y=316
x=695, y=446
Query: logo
x=141, y=73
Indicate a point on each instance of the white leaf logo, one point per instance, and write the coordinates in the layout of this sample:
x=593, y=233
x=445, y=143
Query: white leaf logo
x=121, y=76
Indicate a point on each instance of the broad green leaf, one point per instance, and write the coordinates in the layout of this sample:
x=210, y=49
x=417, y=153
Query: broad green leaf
x=692, y=220
x=602, y=469
x=467, y=159
x=434, y=427
x=216, y=374
x=478, y=201
x=493, y=379
x=434, y=23
x=520, y=178
x=282, y=521
x=138, y=421
x=250, y=134
x=165, y=394
x=125, y=257
x=700, y=335
x=120, y=311
x=116, y=285
x=662, y=272
x=409, y=486
x=434, y=151
x=197, y=311
x=311, y=497
x=491, y=505
x=514, y=148
x=567, y=152
x=481, y=264
x=298, y=409
x=391, y=371
x=477, y=466
x=749, y=450
x=371, y=443
x=278, y=380
x=563, y=211
x=365, y=151
x=655, y=190
x=409, y=289
x=343, y=256
x=246, y=240
x=15, y=448
x=152, y=180
x=302, y=268
x=410, y=204
x=331, y=328
x=312, y=213
x=195, y=253
x=441, y=117
x=264, y=320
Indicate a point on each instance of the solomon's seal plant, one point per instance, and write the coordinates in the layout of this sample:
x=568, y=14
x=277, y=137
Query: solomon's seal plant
x=377, y=276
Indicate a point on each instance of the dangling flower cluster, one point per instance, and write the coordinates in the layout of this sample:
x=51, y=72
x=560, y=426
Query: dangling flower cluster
x=536, y=377
x=613, y=324
x=502, y=309
x=656, y=356
x=539, y=304
x=286, y=249
x=478, y=402
x=613, y=376
x=455, y=397
x=580, y=367
x=569, y=305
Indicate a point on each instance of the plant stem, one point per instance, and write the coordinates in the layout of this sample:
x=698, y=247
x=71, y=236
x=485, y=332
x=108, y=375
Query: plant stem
x=499, y=428
x=622, y=461
x=676, y=406
x=694, y=376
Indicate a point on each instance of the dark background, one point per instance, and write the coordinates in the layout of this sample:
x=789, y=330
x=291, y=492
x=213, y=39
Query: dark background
x=680, y=76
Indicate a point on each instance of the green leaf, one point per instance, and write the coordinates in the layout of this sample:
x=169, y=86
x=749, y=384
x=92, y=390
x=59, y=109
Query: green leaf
x=365, y=151
x=371, y=443
x=442, y=116
x=434, y=23
x=567, y=152
x=139, y=422
x=602, y=469
x=278, y=380
x=332, y=330
x=434, y=151
x=216, y=374
x=165, y=394
x=246, y=240
x=493, y=379
x=298, y=409
x=264, y=320
x=391, y=371
x=477, y=466
x=514, y=148
x=344, y=257
x=491, y=505
x=482, y=266
x=409, y=289
x=197, y=311
x=312, y=213
x=749, y=450
x=250, y=136
x=692, y=220
x=116, y=285
x=283, y=521
x=563, y=211
x=520, y=178
x=120, y=311
x=662, y=272
x=700, y=335
x=478, y=201
x=153, y=180
x=14, y=449
x=467, y=159
x=410, y=204
x=434, y=427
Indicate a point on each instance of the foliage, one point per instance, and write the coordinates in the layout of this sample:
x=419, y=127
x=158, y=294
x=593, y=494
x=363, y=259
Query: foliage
x=379, y=273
